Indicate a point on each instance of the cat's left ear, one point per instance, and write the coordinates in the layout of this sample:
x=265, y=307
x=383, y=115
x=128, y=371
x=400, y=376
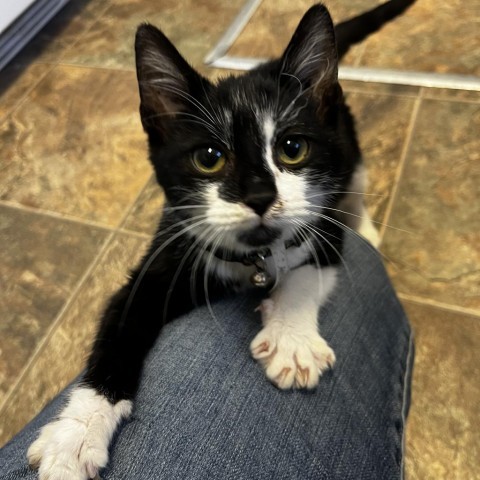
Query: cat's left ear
x=311, y=55
x=166, y=81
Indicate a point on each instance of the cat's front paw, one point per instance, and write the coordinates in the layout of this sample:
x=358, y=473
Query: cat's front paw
x=75, y=447
x=292, y=359
x=63, y=451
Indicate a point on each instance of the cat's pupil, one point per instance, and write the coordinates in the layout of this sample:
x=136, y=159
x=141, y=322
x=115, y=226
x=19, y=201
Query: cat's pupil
x=291, y=148
x=209, y=157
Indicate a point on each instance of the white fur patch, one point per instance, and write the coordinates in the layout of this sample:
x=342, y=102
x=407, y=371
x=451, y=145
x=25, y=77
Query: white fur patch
x=292, y=189
x=75, y=446
x=352, y=211
x=289, y=346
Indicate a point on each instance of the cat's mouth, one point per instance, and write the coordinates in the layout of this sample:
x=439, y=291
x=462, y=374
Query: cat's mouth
x=259, y=236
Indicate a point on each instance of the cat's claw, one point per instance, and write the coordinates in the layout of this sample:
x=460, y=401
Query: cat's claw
x=292, y=360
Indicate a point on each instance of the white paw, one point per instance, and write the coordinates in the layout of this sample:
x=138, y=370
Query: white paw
x=75, y=447
x=292, y=359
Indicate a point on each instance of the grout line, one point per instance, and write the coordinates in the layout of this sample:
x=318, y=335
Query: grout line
x=358, y=90
x=432, y=96
x=35, y=84
x=53, y=64
x=56, y=215
x=401, y=164
x=130, y=208
x=96, y=67
x=56, y=322
x=133, y=233
x=434, y=303
x=113, y=232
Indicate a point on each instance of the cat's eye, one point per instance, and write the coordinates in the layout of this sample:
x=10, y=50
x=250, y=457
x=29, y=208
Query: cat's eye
x=208, y=160
x=292, y=150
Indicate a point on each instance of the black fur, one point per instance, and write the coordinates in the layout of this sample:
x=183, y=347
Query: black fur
x=173, y=102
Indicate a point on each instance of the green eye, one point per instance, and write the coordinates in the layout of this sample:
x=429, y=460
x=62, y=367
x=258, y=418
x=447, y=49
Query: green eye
x=208, y=160
x=292, y=150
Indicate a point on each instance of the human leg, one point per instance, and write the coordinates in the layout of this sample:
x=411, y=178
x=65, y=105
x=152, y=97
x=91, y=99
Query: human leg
x=205, y=411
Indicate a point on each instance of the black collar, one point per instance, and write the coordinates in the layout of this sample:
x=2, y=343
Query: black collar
x=250, y=258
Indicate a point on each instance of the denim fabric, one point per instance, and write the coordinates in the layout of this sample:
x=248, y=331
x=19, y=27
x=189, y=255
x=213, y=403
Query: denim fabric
x=204, y=409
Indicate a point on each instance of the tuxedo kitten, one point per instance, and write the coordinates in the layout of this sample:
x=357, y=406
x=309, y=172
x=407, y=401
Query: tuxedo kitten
x=262, y=175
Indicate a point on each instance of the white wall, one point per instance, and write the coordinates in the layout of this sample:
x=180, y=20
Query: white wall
x=10, y=10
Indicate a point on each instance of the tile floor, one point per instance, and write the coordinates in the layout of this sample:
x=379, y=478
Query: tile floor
x=78, y=202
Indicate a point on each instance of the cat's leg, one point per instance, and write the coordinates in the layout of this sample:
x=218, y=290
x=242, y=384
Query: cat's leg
x=289, y=346
x=367, y=229
x=75, y=445
x=352, y=210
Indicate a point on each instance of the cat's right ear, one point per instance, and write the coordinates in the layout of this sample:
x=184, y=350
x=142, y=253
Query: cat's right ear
x=311, y=56
x=165, y=80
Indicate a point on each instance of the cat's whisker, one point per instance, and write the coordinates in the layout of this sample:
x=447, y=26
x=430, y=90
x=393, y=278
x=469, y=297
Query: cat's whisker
x=206, y=239
x=371, y=248
x=321, y=234
x=333, y=192
x=148, y=263
x=183, y=207
x=213, y=128
x=177, y=224
x=214, y=121
x=185, y=257
x=183, y=94
x=321, y=207
x=216, y=244
x=314, y=254
x=212, y=109
x=373, y=221
x=198, y=119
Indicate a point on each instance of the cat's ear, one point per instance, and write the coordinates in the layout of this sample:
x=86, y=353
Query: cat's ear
x=166, y=81
x=311, y=55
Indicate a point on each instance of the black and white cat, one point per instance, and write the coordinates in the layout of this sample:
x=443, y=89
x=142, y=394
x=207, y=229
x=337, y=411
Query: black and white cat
x=262, y=175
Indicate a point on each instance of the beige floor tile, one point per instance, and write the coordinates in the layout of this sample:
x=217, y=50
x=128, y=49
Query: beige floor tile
x=194, y=27
x=377, y=117
x=42, y=260
x=437, y=202
x=16, y=81
x=271, y=27
x=146, y=213
x=449, y=94
x=431, y=36
x=380, y=88
x=62, y=357
x=443, y=439
x=76, y=146
x=61, y=32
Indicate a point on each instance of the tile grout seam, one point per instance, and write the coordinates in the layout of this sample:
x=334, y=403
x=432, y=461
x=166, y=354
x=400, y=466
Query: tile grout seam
x=425, y=301
x=57, y=321
x=113, y=232
x=403, y=158
x=57, y=215
x=27, y=94
x=53, y=65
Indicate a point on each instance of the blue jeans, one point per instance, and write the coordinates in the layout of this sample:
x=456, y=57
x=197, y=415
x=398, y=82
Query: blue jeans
x=204, y=409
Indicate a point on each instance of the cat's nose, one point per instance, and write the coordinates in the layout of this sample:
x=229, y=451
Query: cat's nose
x=260, y=195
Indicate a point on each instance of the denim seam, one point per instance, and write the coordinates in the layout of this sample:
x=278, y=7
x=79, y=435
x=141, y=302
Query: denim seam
x=406, y=381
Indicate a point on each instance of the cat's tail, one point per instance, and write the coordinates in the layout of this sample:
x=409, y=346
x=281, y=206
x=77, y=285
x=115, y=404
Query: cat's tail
x=358, y=28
